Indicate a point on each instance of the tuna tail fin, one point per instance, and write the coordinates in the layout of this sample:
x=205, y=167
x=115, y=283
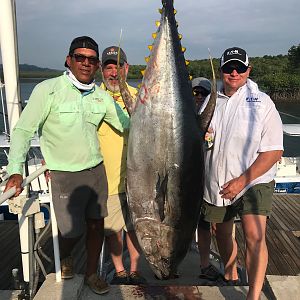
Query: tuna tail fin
x=126, y=96
x=167, y=3
x=161, y=194
x=206, y=116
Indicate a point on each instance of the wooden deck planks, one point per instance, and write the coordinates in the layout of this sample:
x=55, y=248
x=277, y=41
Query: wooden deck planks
x=283, y=245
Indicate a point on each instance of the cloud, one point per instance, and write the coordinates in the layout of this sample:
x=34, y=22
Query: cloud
x=46, y=28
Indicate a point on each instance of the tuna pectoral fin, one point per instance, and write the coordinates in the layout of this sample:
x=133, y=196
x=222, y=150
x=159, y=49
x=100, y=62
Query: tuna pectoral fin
x=206, y=116
x=161, y=195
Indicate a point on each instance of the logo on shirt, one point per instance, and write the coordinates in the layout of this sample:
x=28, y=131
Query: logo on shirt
x=252, y=99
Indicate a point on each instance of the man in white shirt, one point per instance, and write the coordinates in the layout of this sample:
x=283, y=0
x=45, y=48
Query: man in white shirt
x=245, y=142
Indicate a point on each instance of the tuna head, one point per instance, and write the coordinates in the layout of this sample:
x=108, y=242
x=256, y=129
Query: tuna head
x=165, y=168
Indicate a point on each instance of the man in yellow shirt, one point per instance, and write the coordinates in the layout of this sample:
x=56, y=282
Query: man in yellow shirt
x=114, y=149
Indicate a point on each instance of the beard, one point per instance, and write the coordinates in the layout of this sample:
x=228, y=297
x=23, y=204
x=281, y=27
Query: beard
x=111, y=87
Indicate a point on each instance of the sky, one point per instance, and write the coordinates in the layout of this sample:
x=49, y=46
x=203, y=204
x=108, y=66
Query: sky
x=262, y=27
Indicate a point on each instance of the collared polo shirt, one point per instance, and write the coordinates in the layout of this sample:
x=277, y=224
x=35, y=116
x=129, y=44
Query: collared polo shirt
x=114, y=148
x=243, y=125
x=67, y=122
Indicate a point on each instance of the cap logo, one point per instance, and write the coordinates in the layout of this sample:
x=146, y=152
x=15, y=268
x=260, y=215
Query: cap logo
x=112, y=51
x=232, y=52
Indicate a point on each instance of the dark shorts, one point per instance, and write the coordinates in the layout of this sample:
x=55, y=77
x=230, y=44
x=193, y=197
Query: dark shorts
x=256, y=201
x=78, y=196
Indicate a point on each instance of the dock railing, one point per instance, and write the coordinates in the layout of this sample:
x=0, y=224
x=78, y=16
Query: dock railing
x=24, y=213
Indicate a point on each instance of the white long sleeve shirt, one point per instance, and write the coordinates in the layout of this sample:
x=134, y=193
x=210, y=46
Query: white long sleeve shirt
x=243, y=125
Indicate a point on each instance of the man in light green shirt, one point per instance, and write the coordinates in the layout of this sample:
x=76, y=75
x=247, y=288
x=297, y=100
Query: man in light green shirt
x=66, y=112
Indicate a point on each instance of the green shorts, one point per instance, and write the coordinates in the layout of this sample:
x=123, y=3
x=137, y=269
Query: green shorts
x=256, y=201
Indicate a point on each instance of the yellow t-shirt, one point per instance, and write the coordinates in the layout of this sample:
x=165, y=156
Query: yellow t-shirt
x=113, y=146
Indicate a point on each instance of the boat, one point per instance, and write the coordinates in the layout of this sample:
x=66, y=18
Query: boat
x=287, y=179
x=285, y=169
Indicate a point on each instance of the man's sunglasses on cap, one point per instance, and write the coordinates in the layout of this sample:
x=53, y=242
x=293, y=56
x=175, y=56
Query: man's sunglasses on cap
x=228, y=68
x=93, y=60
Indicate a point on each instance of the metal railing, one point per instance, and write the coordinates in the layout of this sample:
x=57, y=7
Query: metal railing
x=24, y=216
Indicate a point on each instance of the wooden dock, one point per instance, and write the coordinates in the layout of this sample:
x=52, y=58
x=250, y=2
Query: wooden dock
x=283, y=241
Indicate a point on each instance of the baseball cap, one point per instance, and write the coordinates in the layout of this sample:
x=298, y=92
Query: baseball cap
x=234, y=54
x=83, y=42
x=201, y=82
x=111, y=53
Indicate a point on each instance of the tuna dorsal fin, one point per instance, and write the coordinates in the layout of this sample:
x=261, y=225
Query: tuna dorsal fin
x=161, y=195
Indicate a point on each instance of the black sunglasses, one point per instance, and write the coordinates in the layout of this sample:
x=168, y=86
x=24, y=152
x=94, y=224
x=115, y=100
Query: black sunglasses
x=93, y=60
x=203, y=93
x=228, y=69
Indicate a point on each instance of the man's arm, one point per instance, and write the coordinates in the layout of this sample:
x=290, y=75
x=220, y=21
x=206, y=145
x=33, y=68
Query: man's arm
x=115, y=116
x=261, y=165
x=33, y=115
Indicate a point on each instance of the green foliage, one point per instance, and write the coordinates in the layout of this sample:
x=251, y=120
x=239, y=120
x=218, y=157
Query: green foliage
x=294, y=59
x=202, y=68
x=135, y=71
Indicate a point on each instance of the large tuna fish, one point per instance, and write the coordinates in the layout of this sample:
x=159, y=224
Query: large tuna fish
x=165, y=168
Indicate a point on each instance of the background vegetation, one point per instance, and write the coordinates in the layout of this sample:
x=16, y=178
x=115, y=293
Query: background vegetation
x=278, y=76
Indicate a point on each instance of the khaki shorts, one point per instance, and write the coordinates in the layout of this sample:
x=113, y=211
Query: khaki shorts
x=118, y=215
x=256, y=201
x=78, y=196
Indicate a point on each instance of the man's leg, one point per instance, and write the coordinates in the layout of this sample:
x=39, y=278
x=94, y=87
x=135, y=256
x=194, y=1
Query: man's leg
x=133, y=249
x=66, y=245
x=134, y=253
x=115, y=245
x=254, y=227
x=94, y=241
x=204, y=241
x=227, y=248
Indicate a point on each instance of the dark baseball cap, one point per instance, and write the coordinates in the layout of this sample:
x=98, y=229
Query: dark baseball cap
x=83, y=42
x=234, y=54
x=201, y=82
x=111, y=54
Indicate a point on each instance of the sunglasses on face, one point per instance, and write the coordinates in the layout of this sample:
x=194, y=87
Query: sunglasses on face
x=228, y=69
x=198, y=92
x=93, y=60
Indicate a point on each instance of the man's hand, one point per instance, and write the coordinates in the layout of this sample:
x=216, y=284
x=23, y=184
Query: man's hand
x=14, y=180
x=232, y=188
x=46, y=173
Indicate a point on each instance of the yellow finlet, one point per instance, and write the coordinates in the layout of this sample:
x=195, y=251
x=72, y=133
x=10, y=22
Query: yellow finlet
x=190, y=77
x=180, y=36
x=150, y=47
x=187, y=62
x=143, y=72
x=175, y=11
x=154, y=35
x=183, y=49
x=139, y=86
x=160, y=10
x=147, y=58
x=157, y=23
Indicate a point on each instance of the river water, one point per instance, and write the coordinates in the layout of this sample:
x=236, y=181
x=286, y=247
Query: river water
x=289, y=112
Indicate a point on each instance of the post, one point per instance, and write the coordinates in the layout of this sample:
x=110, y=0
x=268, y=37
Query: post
x=9, y=51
